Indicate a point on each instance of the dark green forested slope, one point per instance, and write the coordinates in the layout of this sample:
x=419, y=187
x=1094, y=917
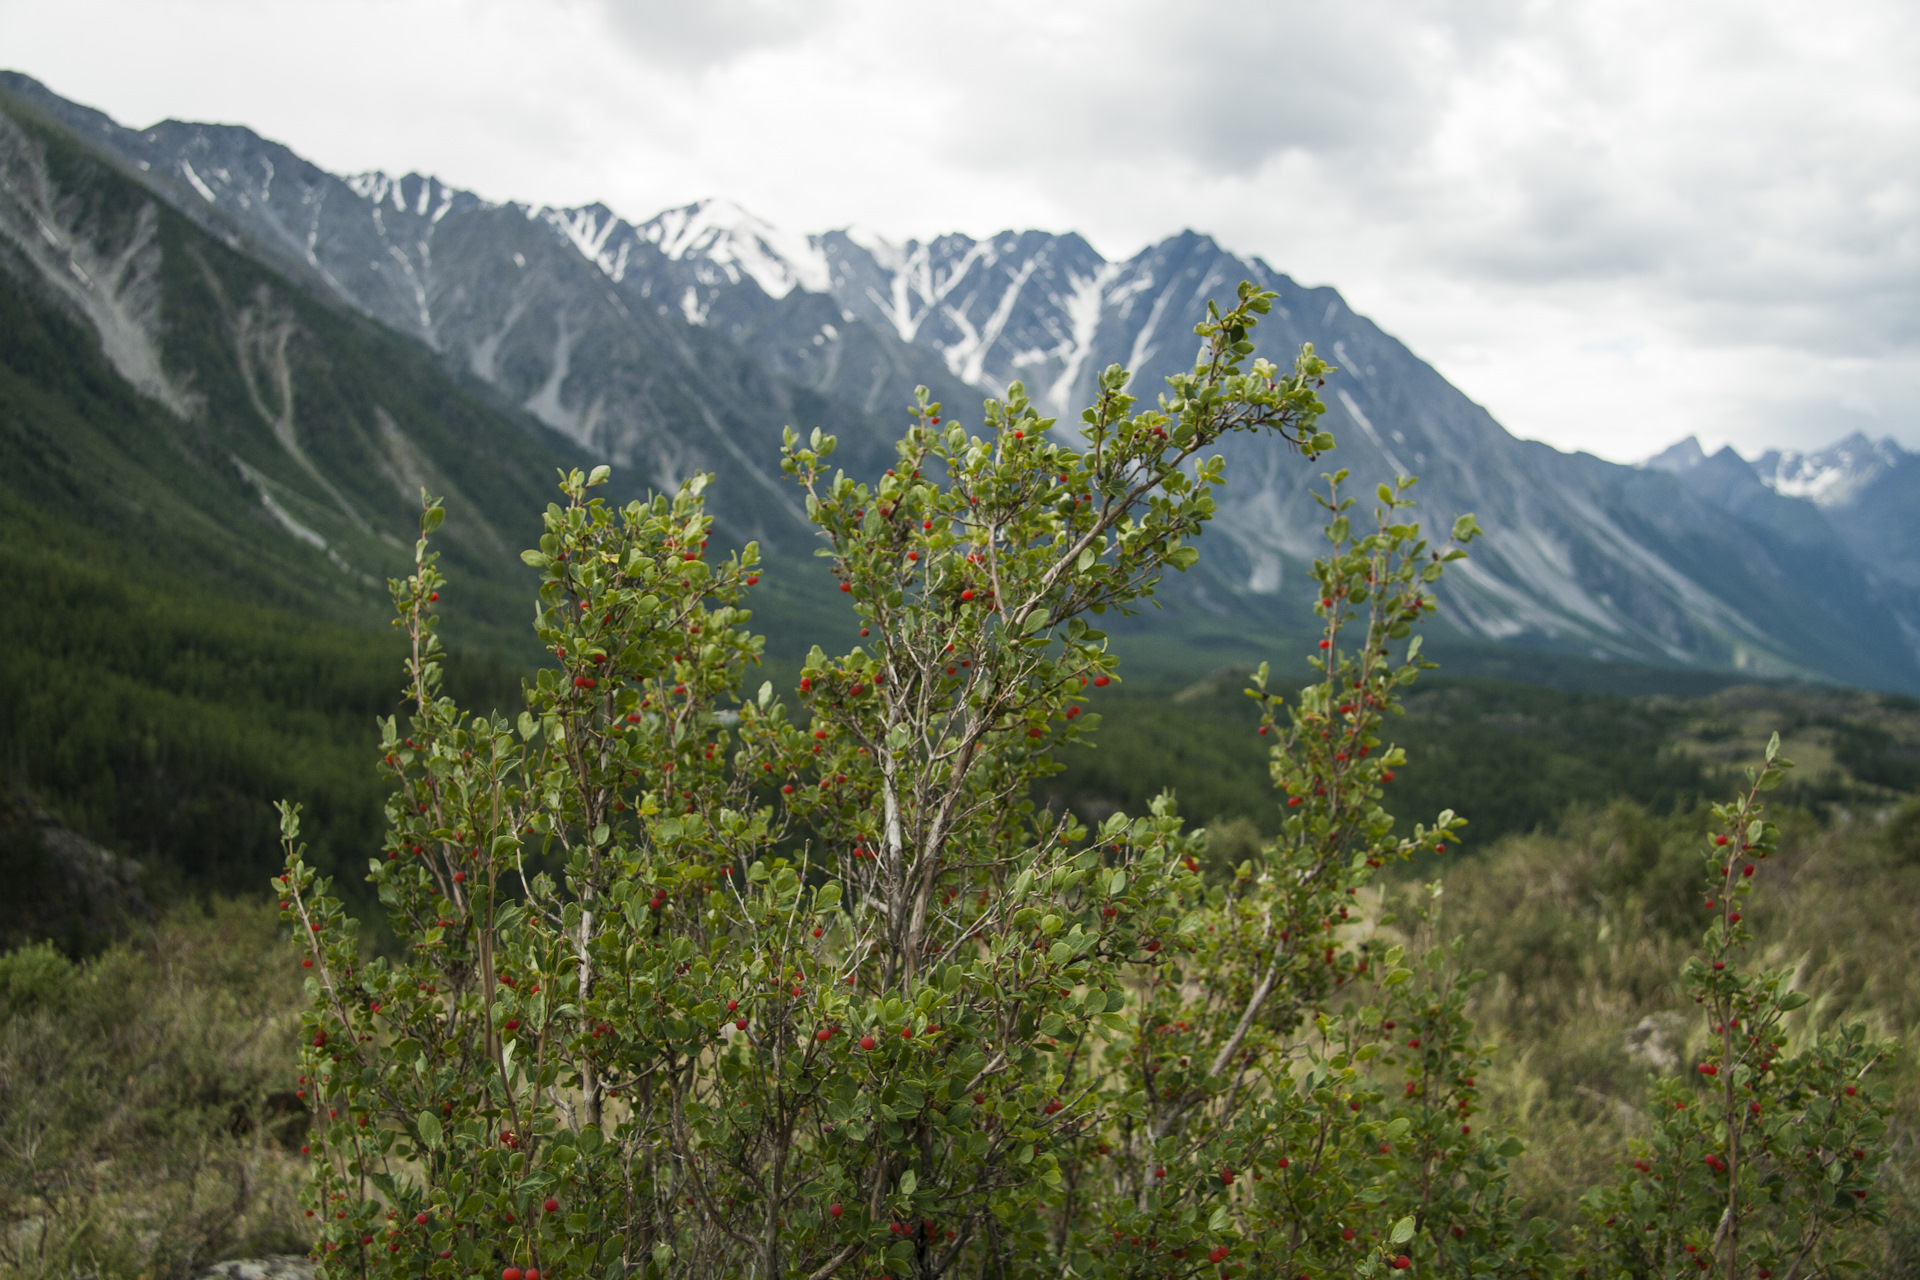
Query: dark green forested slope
x=336, y=420
x=171, y=657
x=161, y=716
x=1511, y=757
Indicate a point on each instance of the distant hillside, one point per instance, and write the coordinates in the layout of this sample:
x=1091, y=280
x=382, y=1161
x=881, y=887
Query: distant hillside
x=687, y=341
x=225, y=376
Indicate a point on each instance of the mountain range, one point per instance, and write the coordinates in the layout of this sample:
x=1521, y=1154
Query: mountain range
x=535, y=336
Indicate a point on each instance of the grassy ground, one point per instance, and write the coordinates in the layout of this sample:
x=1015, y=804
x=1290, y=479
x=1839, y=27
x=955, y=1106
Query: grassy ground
x=1584, y=929
x=148, y=1118
x=147, y=1123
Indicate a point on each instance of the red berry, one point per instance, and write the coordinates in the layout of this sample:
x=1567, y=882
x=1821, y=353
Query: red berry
x=1347, y=1234
x=1101, y=682
x=834, y=1210
x=1402, y=1262
x=511, y=1273
x=740, y=1025
x=422, y=1219
x=866, y=1042
x=552, y=1205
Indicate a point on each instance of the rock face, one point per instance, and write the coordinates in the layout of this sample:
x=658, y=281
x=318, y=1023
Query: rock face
x=1844, y=521
x=282, y=1266
x=685, y=342
x=60, y=886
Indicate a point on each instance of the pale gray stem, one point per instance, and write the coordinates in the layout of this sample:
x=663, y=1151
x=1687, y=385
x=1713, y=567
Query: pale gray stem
x=1260, y=995
x=834, y=1263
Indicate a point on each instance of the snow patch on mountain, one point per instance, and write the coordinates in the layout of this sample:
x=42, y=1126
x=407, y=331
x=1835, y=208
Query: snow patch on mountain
x=1833, y=476
x=1083, y=307
x=723, y=233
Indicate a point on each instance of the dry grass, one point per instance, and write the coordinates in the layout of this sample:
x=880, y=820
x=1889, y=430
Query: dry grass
x=147, y=1122
x=1584, y=931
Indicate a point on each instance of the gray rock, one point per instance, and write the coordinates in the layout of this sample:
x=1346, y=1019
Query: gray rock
x=281, y=1266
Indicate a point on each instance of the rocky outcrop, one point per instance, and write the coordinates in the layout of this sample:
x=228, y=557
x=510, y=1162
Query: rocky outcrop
x=60, y=886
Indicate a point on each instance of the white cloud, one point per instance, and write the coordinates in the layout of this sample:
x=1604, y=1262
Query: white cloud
x=1614, y=222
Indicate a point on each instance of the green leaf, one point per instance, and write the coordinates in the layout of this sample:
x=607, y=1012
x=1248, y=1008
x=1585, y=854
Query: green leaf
x=1792, y=1000
x=430, y=518
x=1218, y=1222
x=429, y=1126
x=1403, y=1230
x=909, y=1182
x=599, y=475
x=1397, y=977
x=1512, y=1147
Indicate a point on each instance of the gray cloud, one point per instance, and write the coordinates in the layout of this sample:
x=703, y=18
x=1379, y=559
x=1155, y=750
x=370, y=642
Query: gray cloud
x=678, y=35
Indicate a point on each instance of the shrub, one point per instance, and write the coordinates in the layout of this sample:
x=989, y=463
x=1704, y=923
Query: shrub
x=694, y=984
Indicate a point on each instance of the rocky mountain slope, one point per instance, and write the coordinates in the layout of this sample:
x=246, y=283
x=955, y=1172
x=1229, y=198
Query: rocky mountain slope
x=686, y=341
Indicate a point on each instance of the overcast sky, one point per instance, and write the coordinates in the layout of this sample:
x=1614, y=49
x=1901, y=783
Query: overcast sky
x=1613, y=223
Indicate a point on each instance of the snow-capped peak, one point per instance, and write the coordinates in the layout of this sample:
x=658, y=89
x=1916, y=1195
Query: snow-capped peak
x=1833, y=476
x=419, y=194
x=723, y=233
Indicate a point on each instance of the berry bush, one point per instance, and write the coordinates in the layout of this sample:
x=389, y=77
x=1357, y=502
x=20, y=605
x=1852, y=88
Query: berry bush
x=694, y=981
